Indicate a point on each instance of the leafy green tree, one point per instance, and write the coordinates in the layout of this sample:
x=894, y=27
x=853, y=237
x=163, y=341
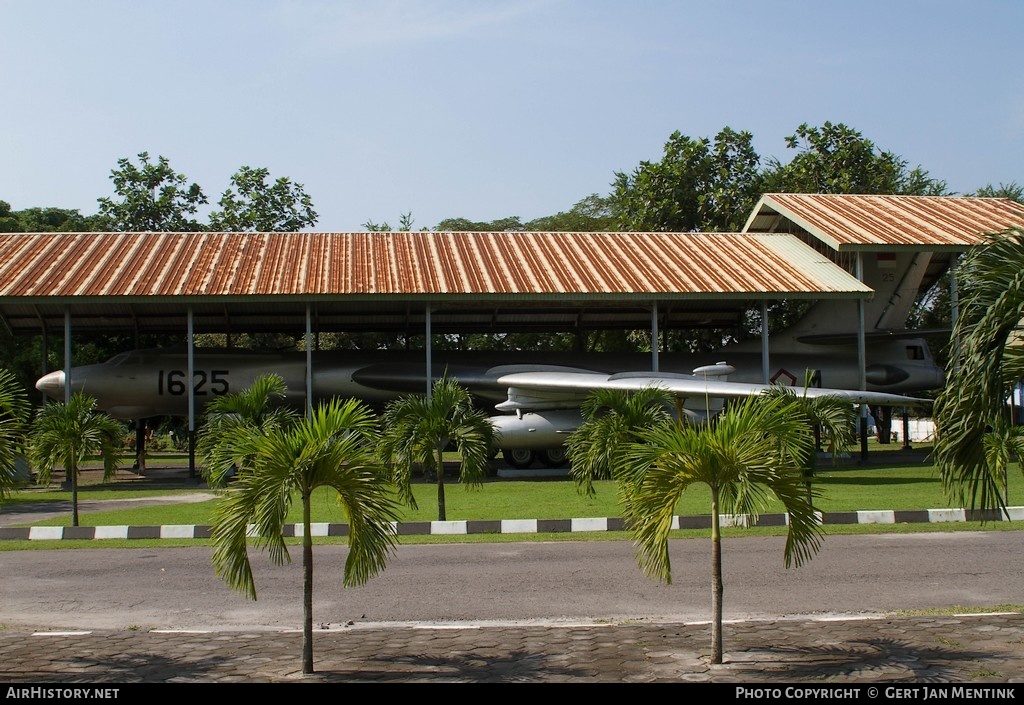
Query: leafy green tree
x=332, y=448
x=69, y=434
x=745, y=454
x=283, y=206
x=152, y=197
x=48, y=220
x=836, y=158
x=1012, y=190
x=230, y=415
x=9, y=222
x=972, y=403
x=14, y=412
x=418, y=428
x=501, y=225
x=405, y=221
x=591, y=214
x=697, y=185
x=55, y=220
x=611, y=420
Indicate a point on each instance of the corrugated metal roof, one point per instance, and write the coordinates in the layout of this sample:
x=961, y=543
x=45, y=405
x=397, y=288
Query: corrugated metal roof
x=445, y=265
x=874, y=222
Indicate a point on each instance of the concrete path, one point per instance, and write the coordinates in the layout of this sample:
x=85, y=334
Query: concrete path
x=982, y=652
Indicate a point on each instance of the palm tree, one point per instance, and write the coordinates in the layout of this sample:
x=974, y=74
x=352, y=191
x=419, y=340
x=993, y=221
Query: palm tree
x=14, y=411
x=611, y=419
x=831, y=418
x=333, y=447
x=417, y=429
x=745, y=454
x=1001, y=445
x=988, y=361
x=68, y=434
x=257, y=406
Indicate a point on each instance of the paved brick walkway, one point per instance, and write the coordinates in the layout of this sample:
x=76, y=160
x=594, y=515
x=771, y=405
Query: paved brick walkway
x=972, y=649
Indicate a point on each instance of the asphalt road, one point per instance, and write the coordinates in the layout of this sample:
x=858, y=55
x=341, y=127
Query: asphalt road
x=557, y=582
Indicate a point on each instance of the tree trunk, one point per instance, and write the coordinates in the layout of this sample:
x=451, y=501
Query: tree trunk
x=812, y=464
x=883, y=425
x=442, y=515
x=140, y=446
x=716, y=580
x=74, y=494
x=307, y=586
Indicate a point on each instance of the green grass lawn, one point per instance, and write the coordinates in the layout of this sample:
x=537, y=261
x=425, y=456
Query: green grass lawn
x=847, y=487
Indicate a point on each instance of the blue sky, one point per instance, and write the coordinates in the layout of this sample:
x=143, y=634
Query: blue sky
x=488, y=109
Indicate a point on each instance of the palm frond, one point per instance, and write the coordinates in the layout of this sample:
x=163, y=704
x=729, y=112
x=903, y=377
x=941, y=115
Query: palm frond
x=991, y=277
x=611, y=419
x=14, y=413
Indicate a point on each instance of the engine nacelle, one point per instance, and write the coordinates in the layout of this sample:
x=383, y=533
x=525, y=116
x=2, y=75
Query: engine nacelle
x=535, y=430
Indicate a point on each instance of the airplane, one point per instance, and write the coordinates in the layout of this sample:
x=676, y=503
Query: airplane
x=537, y=396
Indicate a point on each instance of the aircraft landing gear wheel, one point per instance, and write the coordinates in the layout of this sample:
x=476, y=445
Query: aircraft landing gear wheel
x=552, y=457
x=520, y=458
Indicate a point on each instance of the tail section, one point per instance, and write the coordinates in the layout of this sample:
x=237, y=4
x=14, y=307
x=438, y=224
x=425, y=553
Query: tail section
x=824, y=340
x=895, y=277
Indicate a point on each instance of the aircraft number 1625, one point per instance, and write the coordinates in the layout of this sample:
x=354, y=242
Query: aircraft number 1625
x=172, y=382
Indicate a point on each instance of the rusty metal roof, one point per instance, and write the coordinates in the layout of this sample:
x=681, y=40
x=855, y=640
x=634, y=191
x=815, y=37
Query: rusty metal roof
x=412, y=264
x=880, y=223
x=355, y=281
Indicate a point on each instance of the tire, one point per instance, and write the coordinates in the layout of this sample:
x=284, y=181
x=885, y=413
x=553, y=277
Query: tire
x=519, y=458
x=553, y=457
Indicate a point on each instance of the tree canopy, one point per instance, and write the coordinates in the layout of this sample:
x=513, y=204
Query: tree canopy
x=283, y=206
x=835, y=158
x=153, y=197
x=48, y=220
x=699, y=184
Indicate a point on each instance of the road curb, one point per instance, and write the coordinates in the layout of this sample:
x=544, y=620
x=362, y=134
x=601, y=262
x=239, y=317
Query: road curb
x=515, y=526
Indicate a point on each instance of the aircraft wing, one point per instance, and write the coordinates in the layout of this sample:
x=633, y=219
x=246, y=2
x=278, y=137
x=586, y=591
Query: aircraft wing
x=555, y=390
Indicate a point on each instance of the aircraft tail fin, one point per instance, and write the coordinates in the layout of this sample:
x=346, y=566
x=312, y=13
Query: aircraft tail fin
x=895, y=277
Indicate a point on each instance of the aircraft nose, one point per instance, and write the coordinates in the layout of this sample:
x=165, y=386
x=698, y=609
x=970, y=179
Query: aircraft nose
x=52, y=385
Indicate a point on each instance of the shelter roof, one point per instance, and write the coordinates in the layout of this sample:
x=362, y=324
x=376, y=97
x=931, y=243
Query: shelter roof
x=880, y=223
x=382, y=281
x=841, y=225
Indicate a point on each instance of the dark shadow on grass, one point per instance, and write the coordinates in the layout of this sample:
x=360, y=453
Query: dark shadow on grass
x=874, y=481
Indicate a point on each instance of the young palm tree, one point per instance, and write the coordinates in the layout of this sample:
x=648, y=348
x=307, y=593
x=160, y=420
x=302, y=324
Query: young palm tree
x=611, y=419
x=14, y=411
x=257, y=406
x=67, y=434
x=332, y=448
x=990, y=362
x=417, y=429
x=832, y=420
x=746, y=454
